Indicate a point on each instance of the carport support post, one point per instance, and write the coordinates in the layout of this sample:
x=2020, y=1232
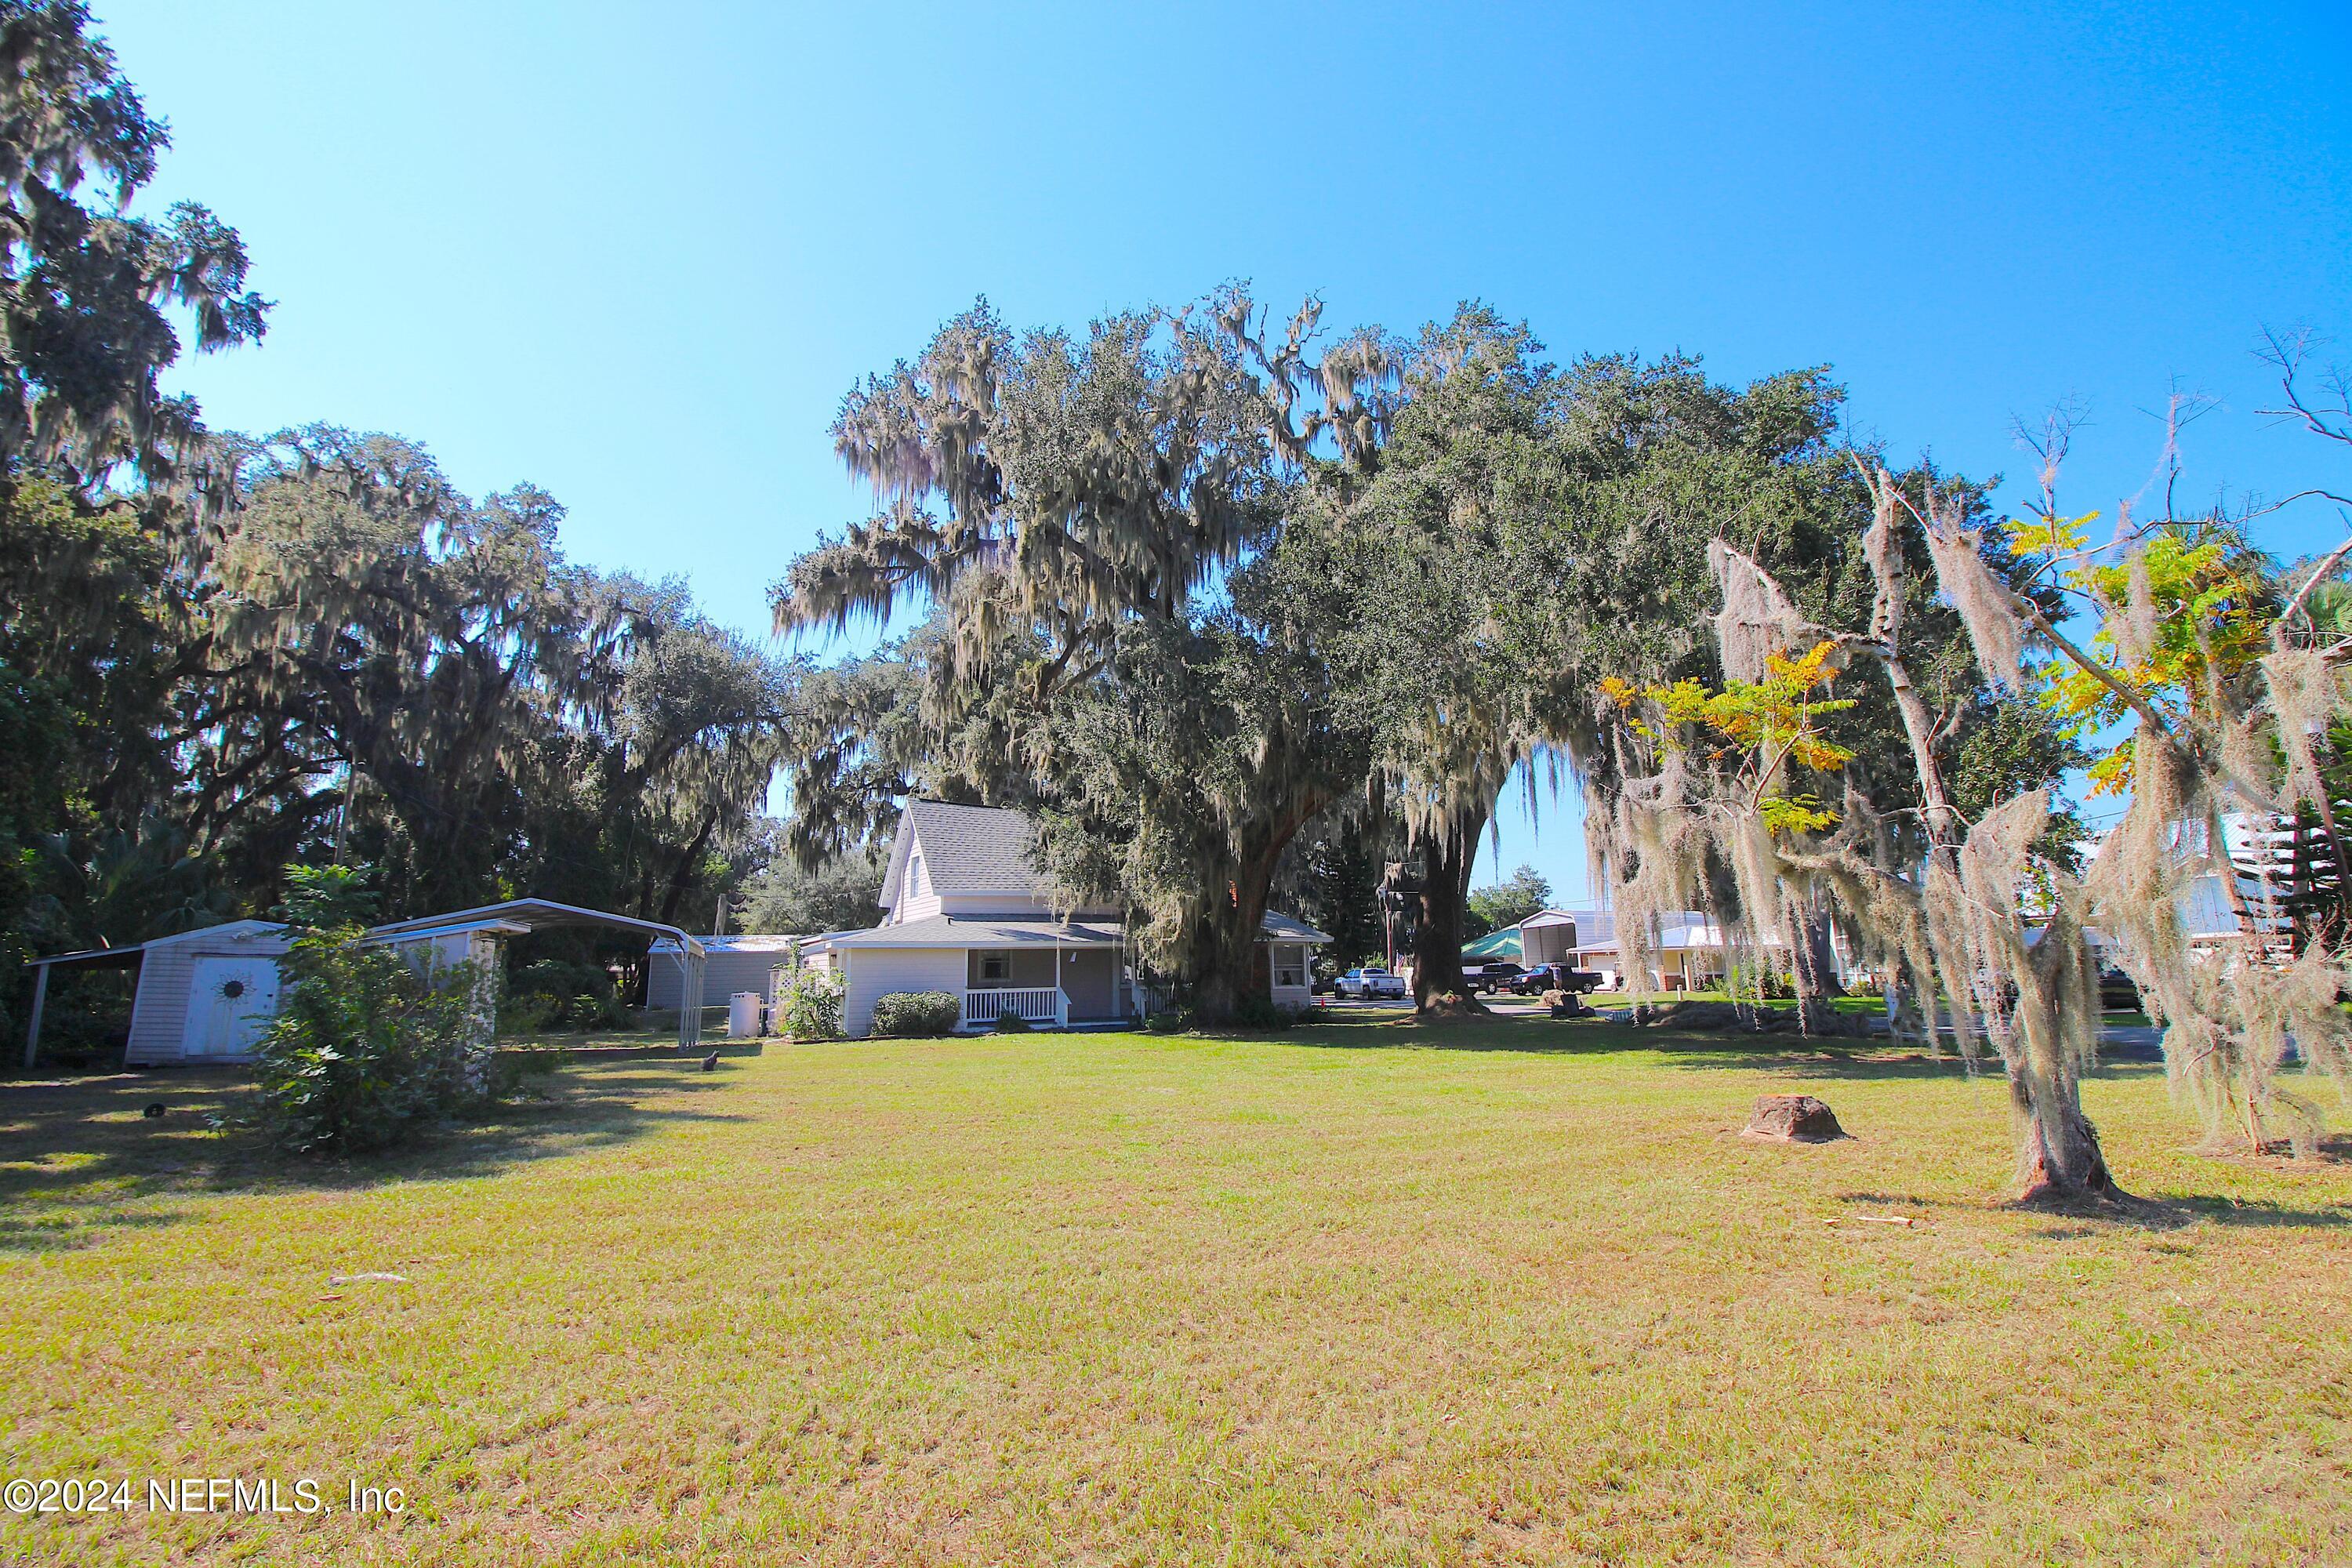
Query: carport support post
x=33, y=1025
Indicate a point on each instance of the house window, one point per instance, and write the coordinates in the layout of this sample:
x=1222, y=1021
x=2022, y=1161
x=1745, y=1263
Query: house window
x=1289, y=966
x=995, y=968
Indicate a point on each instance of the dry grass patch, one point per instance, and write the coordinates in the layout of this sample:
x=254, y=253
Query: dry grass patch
x=1508, y=1291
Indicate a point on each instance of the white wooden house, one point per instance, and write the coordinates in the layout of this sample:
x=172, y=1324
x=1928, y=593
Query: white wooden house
x=967, y=912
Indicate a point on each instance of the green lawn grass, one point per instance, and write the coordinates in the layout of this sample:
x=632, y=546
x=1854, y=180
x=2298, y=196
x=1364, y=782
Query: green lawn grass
x=1504, y=1292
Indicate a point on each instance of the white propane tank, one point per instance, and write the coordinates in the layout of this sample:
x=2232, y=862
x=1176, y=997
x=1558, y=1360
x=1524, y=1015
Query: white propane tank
x=743, y=1015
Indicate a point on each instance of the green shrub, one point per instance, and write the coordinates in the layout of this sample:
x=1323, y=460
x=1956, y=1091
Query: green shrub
x=510, y=1069
x=811, y=1005
x=1012, y=1023
x=526, y=1013
x=557, y=992
x=366, y=1052
x=1255, y=1012
x=1164, y=1022
x=910, y=1014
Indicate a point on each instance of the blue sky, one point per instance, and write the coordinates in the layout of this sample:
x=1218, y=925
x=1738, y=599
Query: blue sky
x=635, y=253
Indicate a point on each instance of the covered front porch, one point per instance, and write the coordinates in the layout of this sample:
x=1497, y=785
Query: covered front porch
x=1070, y=985
x=1049, y=973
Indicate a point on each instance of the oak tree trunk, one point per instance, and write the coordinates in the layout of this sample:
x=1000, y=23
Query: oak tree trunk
x=1229, y=970
x=1816, y=968
x=2063, y=1164
x=1446, y=858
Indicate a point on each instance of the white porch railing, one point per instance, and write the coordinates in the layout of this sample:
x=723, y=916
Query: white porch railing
x=1048, y=1006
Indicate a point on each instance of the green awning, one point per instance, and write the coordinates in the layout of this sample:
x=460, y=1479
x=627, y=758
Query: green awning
x=1504, y=943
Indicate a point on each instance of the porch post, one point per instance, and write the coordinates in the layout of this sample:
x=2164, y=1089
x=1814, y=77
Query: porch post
x=33, y=1026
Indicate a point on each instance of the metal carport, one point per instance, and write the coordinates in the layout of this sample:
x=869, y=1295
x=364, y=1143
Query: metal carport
x=544, y=914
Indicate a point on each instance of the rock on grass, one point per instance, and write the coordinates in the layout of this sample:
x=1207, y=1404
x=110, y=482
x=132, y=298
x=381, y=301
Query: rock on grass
x=1792, y=1119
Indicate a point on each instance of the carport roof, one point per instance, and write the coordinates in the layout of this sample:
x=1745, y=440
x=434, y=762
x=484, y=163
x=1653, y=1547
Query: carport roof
x=534, y=914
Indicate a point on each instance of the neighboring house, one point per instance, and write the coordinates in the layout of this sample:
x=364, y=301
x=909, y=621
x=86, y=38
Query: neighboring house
x=1689, y=948
x=967, y=911
x=2208, y=915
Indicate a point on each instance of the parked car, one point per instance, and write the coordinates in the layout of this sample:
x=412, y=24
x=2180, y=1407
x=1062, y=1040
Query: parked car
x=1491, y=977
x=1369, y=982
x=1546, y=977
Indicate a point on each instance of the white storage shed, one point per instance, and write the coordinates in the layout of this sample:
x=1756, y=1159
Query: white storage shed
x=206, y=996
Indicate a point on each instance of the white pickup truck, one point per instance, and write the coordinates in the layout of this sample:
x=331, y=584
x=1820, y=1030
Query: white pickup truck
x=1369, y=984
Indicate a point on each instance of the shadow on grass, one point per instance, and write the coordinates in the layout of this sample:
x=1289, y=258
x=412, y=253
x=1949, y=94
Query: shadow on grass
x=1828, y=1058
x=1835, y=1059
x=80, y=1158
x=2072, y=1222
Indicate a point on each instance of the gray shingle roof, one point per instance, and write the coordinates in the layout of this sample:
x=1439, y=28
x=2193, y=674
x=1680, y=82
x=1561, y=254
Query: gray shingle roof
x=973, y=848
x=985, y=930
x=984, y=850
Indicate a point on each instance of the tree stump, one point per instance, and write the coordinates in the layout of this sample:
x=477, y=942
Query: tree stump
x=1792, y=1119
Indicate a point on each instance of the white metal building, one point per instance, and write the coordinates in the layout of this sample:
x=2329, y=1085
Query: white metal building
x=735, y=963
x=206, y=996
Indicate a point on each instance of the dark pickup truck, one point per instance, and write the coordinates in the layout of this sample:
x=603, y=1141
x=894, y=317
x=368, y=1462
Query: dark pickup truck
x=1501, y=975
x=1546, y=977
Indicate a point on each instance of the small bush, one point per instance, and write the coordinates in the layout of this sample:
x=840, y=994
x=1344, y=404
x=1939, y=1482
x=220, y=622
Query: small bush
x=1163, y=1023
x=559, y=994
x=811, y=1005
x=509, y=1070
x=1255, y=1012
x=1012, y=1023
x=914, y=1015
x=526, y=1014
x=366, y=1051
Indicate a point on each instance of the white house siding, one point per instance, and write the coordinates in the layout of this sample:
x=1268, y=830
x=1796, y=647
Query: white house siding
x=871, y=974
x=918, y=910
x=923, y=905
x=1288, y=977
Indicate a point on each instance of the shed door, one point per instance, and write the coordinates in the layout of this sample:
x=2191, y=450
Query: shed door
x=230, y=1001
